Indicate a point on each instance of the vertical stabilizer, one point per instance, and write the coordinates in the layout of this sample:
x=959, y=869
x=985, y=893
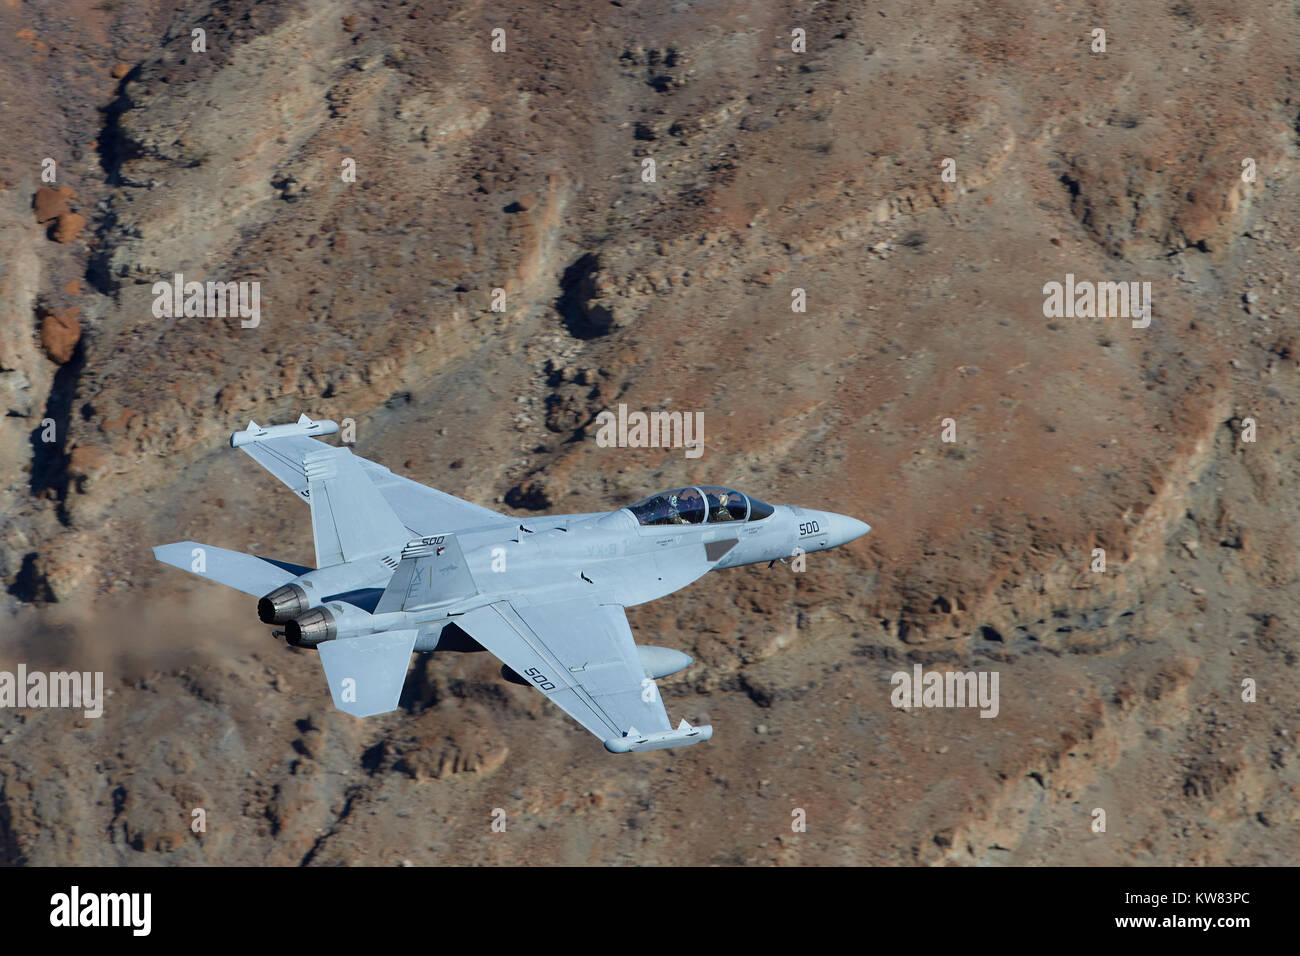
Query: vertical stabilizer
x=432, y=571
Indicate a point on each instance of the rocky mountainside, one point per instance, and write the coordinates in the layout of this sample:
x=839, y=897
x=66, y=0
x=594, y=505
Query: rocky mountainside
x=1168, y=158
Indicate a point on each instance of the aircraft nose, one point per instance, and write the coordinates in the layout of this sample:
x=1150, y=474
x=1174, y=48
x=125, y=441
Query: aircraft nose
x=845, y=529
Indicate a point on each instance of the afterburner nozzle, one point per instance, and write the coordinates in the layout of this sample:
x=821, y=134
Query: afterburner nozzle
x=314, y=627
x=283, y=604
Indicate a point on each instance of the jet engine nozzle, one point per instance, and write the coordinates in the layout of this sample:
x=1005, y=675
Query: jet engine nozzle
x=282, y=605
x=314, y=627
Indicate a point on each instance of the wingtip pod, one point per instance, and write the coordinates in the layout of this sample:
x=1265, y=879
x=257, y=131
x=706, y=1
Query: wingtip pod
x=303, y=426
x=683, y=736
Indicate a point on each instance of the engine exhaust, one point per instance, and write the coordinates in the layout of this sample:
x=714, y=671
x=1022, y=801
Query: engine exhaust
x=282, y=605
x=314, y=627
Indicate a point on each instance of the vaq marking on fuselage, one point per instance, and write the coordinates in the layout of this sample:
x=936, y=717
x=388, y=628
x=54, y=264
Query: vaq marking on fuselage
x=397, y=563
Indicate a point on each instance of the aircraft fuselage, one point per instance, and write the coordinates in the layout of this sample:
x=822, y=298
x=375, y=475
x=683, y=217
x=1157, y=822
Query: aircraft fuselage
x=608, y=556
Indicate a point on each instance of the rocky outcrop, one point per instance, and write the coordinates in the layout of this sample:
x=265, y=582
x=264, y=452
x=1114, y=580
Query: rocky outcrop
x=840, y=252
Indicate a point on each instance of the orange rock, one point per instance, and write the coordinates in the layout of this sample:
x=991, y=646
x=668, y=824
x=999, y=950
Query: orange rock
x=52, y=203
x=69, y=227
x=73, y=288
x=60, y=333
x=120, y=70
x=85, y=461
x=120, y=421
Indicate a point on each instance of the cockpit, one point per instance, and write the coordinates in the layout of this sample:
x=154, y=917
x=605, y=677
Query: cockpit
x=699, y=505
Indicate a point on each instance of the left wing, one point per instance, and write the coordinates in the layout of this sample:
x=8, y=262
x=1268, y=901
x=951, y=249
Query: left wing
x=581, y=655
x=281, y=450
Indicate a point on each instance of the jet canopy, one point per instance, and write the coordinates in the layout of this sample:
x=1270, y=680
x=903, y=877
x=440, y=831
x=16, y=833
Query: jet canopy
x=698, y=505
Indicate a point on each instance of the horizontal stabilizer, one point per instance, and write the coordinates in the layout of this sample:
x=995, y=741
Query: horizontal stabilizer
x=366, y=674
x=303, y=426
x=234, y=569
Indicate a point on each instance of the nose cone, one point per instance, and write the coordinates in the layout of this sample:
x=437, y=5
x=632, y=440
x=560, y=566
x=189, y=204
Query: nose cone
x=845, y=529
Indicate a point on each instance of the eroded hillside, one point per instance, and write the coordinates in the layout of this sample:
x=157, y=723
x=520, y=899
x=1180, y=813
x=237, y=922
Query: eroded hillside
x=776, y=171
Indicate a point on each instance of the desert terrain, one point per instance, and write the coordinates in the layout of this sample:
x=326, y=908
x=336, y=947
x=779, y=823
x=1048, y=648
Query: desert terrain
x=775, y=170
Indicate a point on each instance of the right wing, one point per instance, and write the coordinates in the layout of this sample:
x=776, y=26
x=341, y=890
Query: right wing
x=581, y=655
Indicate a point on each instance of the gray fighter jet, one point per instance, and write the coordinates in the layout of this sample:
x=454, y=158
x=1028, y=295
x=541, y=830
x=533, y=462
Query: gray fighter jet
x=401, y=567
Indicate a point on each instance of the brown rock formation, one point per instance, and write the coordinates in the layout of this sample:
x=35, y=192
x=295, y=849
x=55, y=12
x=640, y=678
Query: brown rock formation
x=775, y=172
x=50, y=204
x=60, y=333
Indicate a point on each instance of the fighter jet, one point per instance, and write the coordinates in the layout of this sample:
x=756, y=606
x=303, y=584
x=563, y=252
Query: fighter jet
x=401, y=567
